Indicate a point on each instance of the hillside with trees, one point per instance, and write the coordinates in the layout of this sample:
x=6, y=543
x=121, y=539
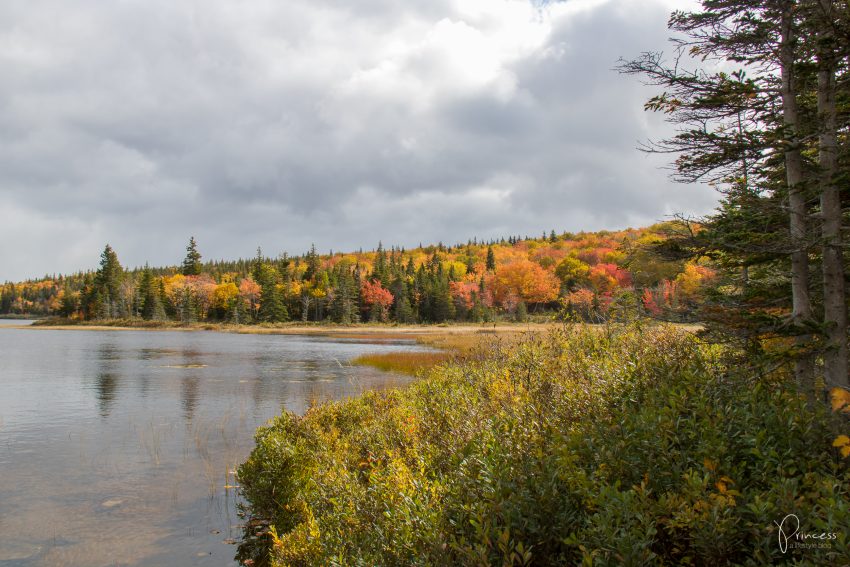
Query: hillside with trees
x=591, y=276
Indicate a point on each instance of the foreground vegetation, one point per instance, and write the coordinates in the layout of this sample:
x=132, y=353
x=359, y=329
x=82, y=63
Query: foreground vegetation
x=620, y=445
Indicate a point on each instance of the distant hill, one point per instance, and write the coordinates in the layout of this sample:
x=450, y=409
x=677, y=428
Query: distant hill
x=585, y=274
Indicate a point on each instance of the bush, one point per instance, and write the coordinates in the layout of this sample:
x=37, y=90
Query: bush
x=625, y=445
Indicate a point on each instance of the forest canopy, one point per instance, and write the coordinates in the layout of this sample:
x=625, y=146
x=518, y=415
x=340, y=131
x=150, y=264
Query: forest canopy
x=590, y=275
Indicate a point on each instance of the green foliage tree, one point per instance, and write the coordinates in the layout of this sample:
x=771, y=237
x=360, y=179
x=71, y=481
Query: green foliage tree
x=344, y=307
x=102, y=299
x=491, y=259
x=192, y=261
x=151, y=307
x=272, y=308
x=572, y=272
x=70, y=302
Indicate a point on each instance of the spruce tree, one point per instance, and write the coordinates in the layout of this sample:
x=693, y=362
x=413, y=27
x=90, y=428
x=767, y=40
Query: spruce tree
x=103, y=301
x=192, y=261
x=344, y=307
x=149, y=297
x=272, y=309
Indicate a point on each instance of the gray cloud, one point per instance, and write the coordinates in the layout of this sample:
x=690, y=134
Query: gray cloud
x=280, y=124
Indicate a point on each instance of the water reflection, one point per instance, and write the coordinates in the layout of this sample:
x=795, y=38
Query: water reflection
x=119, y=433
x=106, y=383
x=189, y=396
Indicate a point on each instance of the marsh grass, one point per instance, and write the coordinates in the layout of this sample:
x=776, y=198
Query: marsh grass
x=404, y=362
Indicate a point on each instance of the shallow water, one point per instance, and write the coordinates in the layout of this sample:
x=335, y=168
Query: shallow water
x=118, y=447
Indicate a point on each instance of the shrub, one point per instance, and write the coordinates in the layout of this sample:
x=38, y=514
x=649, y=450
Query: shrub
x=624, y=445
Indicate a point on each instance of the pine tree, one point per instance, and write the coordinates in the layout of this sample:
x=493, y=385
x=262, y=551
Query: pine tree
x=491, y=259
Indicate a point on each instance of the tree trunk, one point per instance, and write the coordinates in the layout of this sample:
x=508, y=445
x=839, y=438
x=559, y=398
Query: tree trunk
x=834, y=298
x=801, y=314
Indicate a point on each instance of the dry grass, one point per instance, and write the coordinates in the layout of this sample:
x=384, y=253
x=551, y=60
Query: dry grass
x=452, y=343
x=468, y=342
x=405, y=362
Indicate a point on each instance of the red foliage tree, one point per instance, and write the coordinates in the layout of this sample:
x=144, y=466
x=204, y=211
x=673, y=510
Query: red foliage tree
x=376, y=297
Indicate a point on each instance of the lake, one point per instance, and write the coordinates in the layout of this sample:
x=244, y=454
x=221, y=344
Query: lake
x=119, y=447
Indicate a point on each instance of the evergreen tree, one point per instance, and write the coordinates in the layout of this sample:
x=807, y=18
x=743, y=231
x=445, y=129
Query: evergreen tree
x=149, y=295
x=103, y=297
x=769, y=139
x=272, y=309
x=313, y=264
x=403, y=310
x=491, y=259
x=70, y=302
x=521, y=314
x=192, y=261
x=381, y=271
x=470, y=262
x=344, y=307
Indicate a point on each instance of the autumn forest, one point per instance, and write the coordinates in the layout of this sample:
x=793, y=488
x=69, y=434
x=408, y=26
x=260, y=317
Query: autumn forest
x=589, y=276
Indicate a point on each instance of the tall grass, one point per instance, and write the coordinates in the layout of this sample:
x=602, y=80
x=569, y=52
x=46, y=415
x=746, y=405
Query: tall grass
x=614, y=446
x=404, y=362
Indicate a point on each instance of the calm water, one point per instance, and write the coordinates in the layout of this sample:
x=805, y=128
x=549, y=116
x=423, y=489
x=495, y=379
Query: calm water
x=118, y=447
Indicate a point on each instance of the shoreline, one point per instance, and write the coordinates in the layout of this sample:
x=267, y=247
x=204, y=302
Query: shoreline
x=352, y=331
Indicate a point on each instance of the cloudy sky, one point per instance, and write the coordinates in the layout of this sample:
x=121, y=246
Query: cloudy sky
x=277, y=124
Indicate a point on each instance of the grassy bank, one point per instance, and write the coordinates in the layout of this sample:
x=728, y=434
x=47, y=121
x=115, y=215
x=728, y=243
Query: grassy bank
x=405, y=362
x=453, y=346
x=620, y=446
x=363, y=330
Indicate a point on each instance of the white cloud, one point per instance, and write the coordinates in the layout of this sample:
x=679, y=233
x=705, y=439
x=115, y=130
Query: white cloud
x=340, y=123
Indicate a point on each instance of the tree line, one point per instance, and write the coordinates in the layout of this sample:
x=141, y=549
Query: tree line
x=589, y=276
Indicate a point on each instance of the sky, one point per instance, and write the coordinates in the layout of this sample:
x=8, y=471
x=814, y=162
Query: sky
x=341, y=123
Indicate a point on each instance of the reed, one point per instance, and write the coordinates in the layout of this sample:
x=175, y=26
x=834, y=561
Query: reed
x=405, y=362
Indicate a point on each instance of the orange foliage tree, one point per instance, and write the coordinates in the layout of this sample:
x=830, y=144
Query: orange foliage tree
x=525, y=280
x=249, y=291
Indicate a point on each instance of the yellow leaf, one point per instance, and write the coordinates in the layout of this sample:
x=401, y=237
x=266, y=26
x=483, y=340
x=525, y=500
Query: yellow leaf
x=841, y=441
x=845, y=451
x=709, y=464
x=840, y=399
